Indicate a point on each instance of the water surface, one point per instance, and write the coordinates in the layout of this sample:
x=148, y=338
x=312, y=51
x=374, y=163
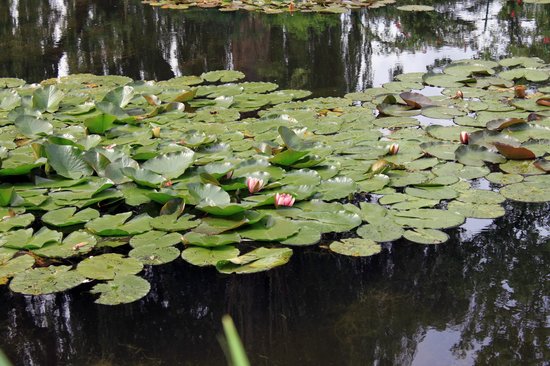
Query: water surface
x=481, y=298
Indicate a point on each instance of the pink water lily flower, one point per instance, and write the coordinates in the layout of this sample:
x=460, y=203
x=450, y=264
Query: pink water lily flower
x=284, y=199
x=464, y=137
x=254, y=184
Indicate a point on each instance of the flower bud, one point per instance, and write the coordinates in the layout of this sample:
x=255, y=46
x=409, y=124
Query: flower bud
x=156, y=132
x=458, y=95
x=254, y=184
x=393, y=149
x=464, y=137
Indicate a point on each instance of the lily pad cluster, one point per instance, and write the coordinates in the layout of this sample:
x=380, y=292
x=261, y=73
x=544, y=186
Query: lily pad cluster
x=103, y=175
x=283, y=6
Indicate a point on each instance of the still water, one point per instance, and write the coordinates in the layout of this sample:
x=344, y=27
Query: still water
x=481, y=298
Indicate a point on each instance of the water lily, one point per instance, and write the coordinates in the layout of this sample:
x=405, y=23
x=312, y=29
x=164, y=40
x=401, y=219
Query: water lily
x=464, y=137
x=254, y=184
x=284, y=199
x=393, y=149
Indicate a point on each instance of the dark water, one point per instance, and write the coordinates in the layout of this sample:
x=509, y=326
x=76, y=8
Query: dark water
x=482, y=298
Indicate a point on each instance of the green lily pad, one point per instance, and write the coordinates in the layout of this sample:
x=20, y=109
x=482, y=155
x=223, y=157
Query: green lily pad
x=67, y=161
x=306, y=236
x=16, y=265
x=478, y=211
x=18, y=221
x=156, y=238
x=170, y=165
x=356, y=247
x=118, y=225
x=502, y=178
x=173, y=223
x=209, y=256
x=108, y=266
x=47, y=280
x=75, y=244
x=428, y=218
x=123, y=289
x=258, y=260
x=476, y=155
x=154, y=255
x=527, y=192
x=68, y=216
x=210, y=241
x=270, y=229
x=381, y=230
x=426, y=236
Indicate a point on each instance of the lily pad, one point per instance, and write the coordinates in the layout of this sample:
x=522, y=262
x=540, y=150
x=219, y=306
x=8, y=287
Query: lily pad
x=356, y=247
x=108, y=266
x=16, y=265
x=426, y=236
x=46, y=280
x=68, y=216
x=209, y=256
x=123, y=289
x=258, y=260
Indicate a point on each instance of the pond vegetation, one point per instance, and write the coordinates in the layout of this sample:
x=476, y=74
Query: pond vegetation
x=104, y=175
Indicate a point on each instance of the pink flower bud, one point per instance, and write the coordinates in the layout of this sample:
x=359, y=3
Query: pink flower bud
x=254, y=184
x=393, y=149
x=284, y=199
x=464, y=137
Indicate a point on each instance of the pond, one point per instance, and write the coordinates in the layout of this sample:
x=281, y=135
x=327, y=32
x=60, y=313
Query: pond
x=480, y=298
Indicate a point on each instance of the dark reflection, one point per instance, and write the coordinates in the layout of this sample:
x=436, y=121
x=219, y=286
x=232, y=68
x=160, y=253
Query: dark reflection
x=329, y=54
x=482, y=297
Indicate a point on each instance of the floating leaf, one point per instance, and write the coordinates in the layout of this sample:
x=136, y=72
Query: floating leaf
x=356, y=247
x=208, y=256
x=16, y=265
x=123, y=289
x=68, y=216
x=154, y=255
x=426, y=236
x=75, y=244
x=527, y=192
x=47, y=280
x=108, y=266
x=209, y=241
x=258, y=260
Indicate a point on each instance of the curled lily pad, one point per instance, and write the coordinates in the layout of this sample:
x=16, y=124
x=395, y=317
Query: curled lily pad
x=356, y=247
x=108, y=266
x=46, y=280
x=513, y=152
x=122, y=289
x=258, y=260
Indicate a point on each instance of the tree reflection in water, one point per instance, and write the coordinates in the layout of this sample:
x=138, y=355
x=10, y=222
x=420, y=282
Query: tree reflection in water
x=328, y=54
x=487, y=289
